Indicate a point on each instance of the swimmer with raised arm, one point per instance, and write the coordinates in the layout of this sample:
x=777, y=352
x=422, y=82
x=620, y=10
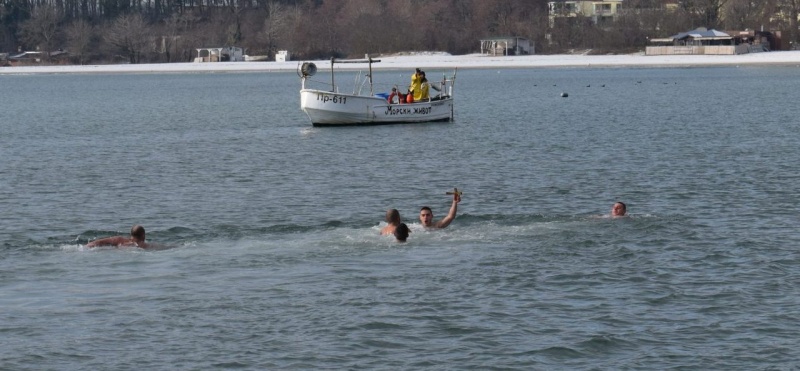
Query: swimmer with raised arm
x=426, y=214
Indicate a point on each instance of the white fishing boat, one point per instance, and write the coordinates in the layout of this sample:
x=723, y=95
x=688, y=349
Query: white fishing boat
x=328, y=106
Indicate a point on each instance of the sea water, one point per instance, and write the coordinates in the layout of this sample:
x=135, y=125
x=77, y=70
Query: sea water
x=273, y=258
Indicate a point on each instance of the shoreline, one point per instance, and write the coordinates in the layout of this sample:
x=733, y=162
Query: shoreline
x=438, y=61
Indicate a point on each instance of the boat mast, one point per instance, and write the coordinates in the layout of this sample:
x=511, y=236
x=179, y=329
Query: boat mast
x=333, y=85
x=371, y=93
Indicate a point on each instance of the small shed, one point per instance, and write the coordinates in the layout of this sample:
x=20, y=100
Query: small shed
x=282, y=56
x=224, y=54
x=512, y=45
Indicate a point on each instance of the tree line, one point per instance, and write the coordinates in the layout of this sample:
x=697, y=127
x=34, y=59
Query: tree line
x=137, y=31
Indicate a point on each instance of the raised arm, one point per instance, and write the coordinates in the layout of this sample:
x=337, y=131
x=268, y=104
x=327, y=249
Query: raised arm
x=452, y=214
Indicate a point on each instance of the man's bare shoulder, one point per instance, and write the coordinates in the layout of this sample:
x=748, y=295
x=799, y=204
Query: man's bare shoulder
x=389, y=229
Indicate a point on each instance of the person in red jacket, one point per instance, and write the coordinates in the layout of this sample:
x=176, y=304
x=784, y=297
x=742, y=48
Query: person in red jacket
x=395, y=97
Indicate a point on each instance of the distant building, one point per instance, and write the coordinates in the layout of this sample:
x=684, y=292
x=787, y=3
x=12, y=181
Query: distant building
x=225, y=54
x=282, y=56
x=506, y=46
x=599, y=11
x=30, y=58
x=714, y=42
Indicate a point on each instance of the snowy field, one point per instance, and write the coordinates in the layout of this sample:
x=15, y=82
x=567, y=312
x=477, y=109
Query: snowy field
x=441, y=60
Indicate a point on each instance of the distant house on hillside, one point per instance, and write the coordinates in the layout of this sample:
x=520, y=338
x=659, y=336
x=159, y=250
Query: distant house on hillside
x=601, y=11
x=225, y=54
x=506, y=46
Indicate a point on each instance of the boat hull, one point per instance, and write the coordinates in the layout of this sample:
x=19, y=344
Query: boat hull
x=325, y=108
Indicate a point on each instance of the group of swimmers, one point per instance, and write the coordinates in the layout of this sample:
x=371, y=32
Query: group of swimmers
x=400, y=230
x=394, y=226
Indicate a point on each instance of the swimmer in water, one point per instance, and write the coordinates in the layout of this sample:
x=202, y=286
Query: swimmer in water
x=393, y=221
x=137, y=239
x=426, y=214
x=401, y=232
x=619, y=209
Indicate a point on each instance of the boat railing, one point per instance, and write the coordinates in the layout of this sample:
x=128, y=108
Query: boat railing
x=443, y=87
x=308, y=69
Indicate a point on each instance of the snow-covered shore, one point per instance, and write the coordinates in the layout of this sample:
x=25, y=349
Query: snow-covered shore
x=438, y=60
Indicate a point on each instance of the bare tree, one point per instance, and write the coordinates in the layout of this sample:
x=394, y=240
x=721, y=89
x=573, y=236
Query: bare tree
x=275, y=24
x=791, y=11
x=169, y=36
x=397, y=29
x=296, y=33
x=499, y=17
x=628, y=32
x=574, y=33
x=707, y=13
x=129, y=36
x=367, y=32
x=460, y=24
x=306, y=35
x=535, y=24
x=743, y=14
x=327, y=28
x=221, y=28
x=176, y=37
x=41, y=30
x=80, y=39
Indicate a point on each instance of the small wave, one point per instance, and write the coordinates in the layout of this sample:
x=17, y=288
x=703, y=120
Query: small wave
x=603, y=344
x=560, y=352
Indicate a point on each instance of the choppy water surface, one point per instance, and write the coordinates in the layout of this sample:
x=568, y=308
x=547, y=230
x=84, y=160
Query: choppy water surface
x=274, y=261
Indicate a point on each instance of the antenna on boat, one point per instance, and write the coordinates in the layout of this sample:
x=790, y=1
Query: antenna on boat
x=371, y=92
x=453, y=80
x=333, y=85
